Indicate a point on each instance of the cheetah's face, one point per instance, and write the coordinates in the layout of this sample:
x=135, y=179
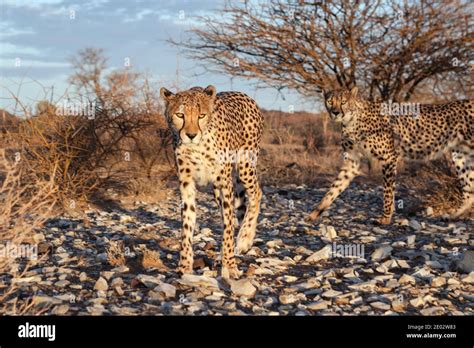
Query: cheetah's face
x=189, y=112
x=339, y=103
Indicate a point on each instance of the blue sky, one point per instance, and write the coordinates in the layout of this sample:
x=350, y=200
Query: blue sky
x=44, y=37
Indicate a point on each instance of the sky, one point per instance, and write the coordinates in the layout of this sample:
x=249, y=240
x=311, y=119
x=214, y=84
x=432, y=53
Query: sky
x=38, y=38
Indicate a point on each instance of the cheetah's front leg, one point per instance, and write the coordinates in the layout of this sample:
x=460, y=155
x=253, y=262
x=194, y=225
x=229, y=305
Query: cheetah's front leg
x=229, y=266
x=348, y=171
x=389, y=168
x=463, y=160
x=188, y=213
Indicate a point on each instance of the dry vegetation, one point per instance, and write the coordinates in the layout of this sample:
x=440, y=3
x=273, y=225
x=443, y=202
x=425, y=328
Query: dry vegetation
x=297, y=148
x=51, y=160
x=389, y=49
x=26, y=202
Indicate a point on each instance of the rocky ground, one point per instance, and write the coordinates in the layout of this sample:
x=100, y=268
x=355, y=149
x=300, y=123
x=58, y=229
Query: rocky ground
x=122, y=262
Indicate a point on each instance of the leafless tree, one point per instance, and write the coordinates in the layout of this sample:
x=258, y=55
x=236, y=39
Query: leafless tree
x=389, y=48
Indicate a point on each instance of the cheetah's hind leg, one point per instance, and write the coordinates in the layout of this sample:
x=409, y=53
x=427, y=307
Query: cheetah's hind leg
x=463, y=160
x=240, y=201
x=248, y=177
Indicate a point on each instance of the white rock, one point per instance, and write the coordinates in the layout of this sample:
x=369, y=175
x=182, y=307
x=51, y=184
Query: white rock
x=242, y=287
x=368, y=286
x=120, y=269
x=60, y=310
x=423, y=273
x=274, y=243
x=322, y=254
x=356, y=301
x=438, y=281
x=101, y=284
x=331, y=293
x=403, y=264
x=398, y=306
x=411, y=240
x=469, y=279
x=116, y=282
x=452, y=281
x=317, y=306
x=45, y=301
x=406, y=279
x=198, y=281
x=126, y=219
x=167, y=290
x=432, y=311
x=206, y=232
x=415, y=225
x=417, y=302
x=328, y=232
x=83, y=276
x=379, y=230
x=287, y=298
x=381, y=253
x=149, y=281
x=62, y=283
x=26, y=280
x=380, y=305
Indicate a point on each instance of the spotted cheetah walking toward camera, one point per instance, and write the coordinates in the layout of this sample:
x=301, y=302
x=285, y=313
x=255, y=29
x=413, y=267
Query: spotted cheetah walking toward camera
x=216, y=140
x=369, y=130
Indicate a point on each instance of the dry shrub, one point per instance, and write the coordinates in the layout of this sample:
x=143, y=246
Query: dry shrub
x=26, y=202
x=437, y=184
x=105, y=133
x=85, y=155
x=298, y=147
x=152, y=259
x=66, y=143
x=116, y=253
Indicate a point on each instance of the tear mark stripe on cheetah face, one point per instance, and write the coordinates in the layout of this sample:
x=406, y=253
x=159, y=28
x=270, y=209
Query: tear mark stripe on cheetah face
x=206, y=125
x=367, y=131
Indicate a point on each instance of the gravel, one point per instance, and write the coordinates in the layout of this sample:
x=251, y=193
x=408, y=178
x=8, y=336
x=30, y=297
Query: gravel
x=416, y=266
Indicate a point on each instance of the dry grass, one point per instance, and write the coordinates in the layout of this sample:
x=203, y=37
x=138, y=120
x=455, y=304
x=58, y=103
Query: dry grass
x=25, y=204
x=437, y=184
x=298, y=148
x=116, y=253
x=152, y=259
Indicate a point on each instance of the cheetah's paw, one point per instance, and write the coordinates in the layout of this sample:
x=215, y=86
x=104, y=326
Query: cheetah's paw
x=231, y=272
x=315, y=214
x=185, y=269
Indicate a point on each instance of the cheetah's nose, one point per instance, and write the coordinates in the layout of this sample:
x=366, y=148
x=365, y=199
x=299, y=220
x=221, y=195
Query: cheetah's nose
x=191, y=135
x=335, y=113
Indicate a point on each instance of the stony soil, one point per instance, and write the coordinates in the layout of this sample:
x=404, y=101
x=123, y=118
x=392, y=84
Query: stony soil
x=416, y=266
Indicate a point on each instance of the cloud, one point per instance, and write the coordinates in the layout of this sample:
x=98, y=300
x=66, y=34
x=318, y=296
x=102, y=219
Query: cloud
x=45, y=37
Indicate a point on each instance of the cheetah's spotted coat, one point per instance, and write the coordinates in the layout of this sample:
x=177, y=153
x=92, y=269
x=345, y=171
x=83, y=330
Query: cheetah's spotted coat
x=216, y=140
x=367, y=131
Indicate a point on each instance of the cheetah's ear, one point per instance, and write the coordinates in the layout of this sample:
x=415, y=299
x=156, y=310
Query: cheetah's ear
x=326, y=93
x=210, y=91
x=166, y=94
x=354, y=91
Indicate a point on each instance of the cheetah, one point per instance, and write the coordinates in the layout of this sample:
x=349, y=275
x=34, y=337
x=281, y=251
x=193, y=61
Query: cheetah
x=373, y=130
x=216, y=141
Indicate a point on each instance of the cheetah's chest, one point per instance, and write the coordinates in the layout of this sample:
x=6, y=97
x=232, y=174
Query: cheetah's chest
x=204, y=161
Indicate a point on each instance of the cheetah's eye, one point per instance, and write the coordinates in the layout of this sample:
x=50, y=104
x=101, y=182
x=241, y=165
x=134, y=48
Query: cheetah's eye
x=179, y=115
x=343, y=101
x=329, y=102
x=202, y=116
